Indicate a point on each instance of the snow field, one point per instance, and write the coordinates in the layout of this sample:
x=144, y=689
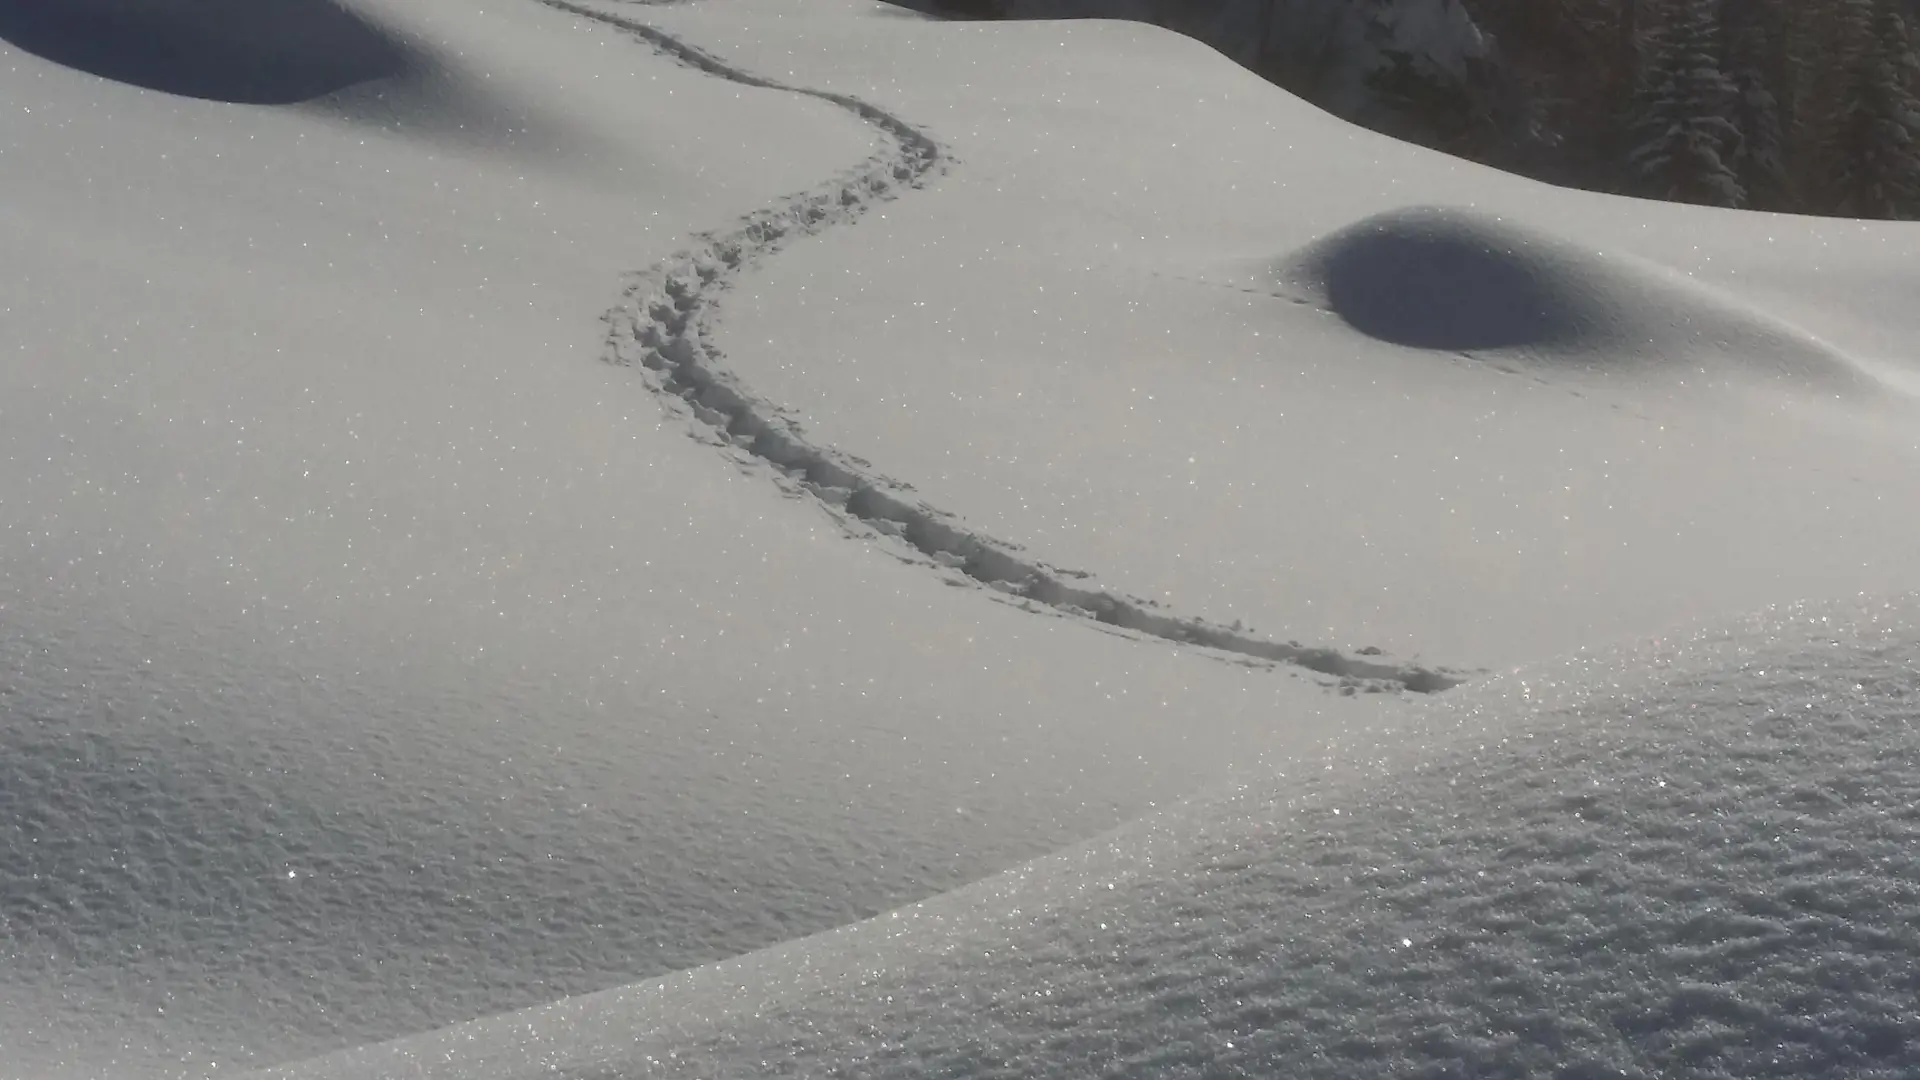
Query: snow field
x=373, y=658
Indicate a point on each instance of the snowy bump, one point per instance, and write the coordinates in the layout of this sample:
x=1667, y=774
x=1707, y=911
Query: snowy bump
x=1465, y=281
x=256, y=52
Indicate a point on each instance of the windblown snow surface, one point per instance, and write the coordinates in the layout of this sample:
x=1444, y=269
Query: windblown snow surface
x=504, y=503
x=1688, y=859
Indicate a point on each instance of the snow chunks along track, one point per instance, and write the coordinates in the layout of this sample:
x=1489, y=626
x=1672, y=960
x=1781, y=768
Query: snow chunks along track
x=663, y=327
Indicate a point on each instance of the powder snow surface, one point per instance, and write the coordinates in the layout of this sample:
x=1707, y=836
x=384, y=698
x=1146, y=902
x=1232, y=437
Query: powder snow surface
x=1691, y=859
x=499, y=504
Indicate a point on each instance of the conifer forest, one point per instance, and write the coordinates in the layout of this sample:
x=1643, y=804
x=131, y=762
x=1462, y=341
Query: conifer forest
x=1804, y=106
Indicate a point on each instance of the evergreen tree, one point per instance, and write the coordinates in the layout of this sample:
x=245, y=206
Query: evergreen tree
x=1874, y=157
x=1682, y=131
x=1430, y=72
x=1626, y=71
x=1755, y=63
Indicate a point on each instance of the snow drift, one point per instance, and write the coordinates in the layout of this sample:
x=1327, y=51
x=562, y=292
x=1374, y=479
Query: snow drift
x=1461, y=280
x=259, y=52
x=1686, y=859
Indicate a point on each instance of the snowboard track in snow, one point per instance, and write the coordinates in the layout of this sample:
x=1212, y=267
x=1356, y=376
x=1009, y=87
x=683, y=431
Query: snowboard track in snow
x=663, y=327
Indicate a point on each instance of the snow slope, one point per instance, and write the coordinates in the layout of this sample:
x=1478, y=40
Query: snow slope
x=378, y=652
x=1684, y=859
x=1085, y=342
x=362, y=632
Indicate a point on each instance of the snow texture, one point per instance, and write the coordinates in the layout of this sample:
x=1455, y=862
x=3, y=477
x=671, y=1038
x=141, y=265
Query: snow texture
x=377, y=662
x=1684, y=860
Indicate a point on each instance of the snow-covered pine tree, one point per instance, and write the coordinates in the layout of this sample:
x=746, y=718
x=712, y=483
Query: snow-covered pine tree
x=1755, y=64
x=1682, y=132
x=1429, y=72
x=1875, y=154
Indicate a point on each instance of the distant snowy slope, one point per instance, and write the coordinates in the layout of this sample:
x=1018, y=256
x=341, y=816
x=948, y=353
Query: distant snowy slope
x=1077, y=342
x=1684, y=860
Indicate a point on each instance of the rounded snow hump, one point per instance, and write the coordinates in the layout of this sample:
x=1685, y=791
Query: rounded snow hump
x=362, y=62
x=252, y=52
x=1464, y=281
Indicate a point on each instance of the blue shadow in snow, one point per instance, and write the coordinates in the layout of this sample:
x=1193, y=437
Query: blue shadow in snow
x=253, y=52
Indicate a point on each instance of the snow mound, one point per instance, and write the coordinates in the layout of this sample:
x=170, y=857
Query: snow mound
x=393, y=69
x=1688, y=859
x=256, y=52
x=1461, y=280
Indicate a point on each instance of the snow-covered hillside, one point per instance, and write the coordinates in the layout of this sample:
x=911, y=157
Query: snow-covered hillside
x=1688, y=859
x=499, y=504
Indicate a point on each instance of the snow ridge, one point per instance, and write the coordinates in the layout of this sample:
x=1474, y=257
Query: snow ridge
x=663, y=325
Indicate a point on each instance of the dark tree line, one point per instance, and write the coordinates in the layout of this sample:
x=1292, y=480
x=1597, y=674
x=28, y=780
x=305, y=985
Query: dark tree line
x=1790, y=105
x=1805, y=106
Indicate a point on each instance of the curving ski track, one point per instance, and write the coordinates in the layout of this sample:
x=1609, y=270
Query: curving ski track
x=663, y=326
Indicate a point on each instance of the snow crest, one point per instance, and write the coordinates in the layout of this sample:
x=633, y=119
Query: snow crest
x=664, y=327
